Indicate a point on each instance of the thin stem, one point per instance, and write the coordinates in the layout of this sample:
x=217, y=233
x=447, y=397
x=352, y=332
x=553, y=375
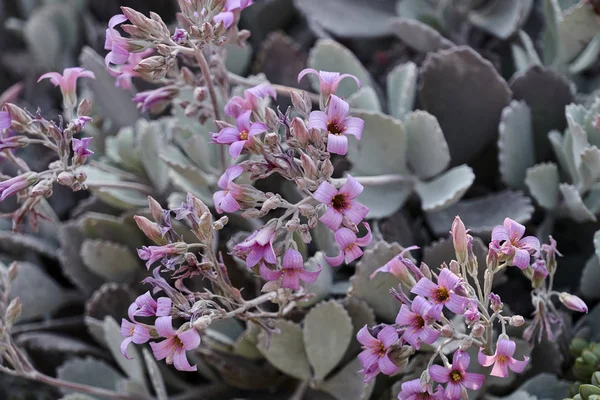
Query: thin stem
x=38, y=376
x=300, y=391
x=377, y=180
x=123, y=185
x=280, y=89
x=251, y=304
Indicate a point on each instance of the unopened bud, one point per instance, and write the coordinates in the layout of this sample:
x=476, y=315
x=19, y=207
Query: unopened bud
x=517, y=320
x=150, y=229
x=309, y=167
x=459, y=239
x=424, y=268
x=200, y=94
x=573, y=302
x=13, y=311
x=447, y=331
x=156, y=210
x=271, y=119
x=301, y=102
x=478, y=330
x=293, y=224
x=188, y=76
x=220, y=223
x=80, y=176
x=199, y=207
x=272, y=138
x=454, y=267
x=251, y=213
x=17, y=114
x=305, y=234
x=327, y=169
x=43, y=188
x=299, y=131
x=84, y=109
x=271, y=203
x=12, y=271
x=65, y=178
x=202, y=323
x=466, y=343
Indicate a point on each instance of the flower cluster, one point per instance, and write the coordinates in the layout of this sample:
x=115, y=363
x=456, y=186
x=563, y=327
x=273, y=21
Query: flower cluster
x=457, y=290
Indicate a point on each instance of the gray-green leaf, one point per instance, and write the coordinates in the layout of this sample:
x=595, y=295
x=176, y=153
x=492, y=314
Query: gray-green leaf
x=89, y=371
x=427, y=150
x=402, y=89
x=112, y=261
x=158, y=383
x=501, y=18
x=150, y=143
x=446, y=189
x=365, y=99
x=348, y=384
x=542, y=181
x=420, y=36
x=134, y=368
x=285, y=350
x=574, y=204
x=516, y=151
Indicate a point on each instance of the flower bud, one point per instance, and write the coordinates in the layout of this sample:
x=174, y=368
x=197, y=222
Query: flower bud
x=293, y=224
x=271, y=119
x=425, y=271
x=220, y=223
x=327, y=169
x=65, y=178
x=573, y=302
x=459, y=239
x=466, y=343
x=12, y=271
x=517, y=320
x=17, y=114
x=496, y=302
x=13, y=311
x=447, y=331
x=42, y=188
x=84, y=109
x=309, y=167
x=199, y=207
x=156, y=210
x=301, y=102
x=299, y=131
x=272, y=138
x=200, y=93
x=202, y=323
x=151, y=230
x=478, y=330
x=454, y=267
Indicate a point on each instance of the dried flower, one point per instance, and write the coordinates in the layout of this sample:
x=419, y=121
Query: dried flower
x=175, y=345
x=503, y=359
x=337, y=123
x=341, y=203
x=375, y=355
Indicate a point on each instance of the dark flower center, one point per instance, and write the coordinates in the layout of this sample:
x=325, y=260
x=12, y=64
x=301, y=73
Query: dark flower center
x=456, y=375
x=334, y=127
x=244, y=135
x=418, y=322
x=379, y=349
x=501, y=359
x=339, y=202
x=441, y=294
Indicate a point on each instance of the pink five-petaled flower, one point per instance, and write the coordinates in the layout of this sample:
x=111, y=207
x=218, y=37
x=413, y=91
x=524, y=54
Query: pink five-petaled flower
x=118, y=46
x=456, y=376
x=80, y=149
x=374, y=357
x=240, y=136
x=5, y=120
x=292, y=270
x=68, y=83
x=132, y=332
x=16, y=184
x=175, y=345
x=417, y=323
x=258, y=246
x=238, y=105
x=328, y=81
x=337, y=123
x=442, y=294
x=515, y=245
x=228, y=15
x=152, y=254
x=402, y=268
x=503, y=359
x=225, y=199
x=145, y=306
x=341, y=203
x=415, y=390
x=349, y=244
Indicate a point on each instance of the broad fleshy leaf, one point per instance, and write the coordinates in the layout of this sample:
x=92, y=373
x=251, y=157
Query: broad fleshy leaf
x=574, y=204
x=365, y=99
x=501, y=18
x=360, y=314
x=401, y=84
x=112, y=261
x=89, y=371
x=134, y=368
x=100, y=181
x=150, y=144
x=319, y=288
x=542, y=181
x=588, y=56
x=516, y=150
x=590, y=277
x=420, y=36
x=348, y=383
x=427, y=150
x=446, y=189
x=576, y=29
x=285, y=350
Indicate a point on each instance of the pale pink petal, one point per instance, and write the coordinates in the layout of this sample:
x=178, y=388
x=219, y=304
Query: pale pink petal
x=236, y=148
x=529, y=243
x=518, y=366
x=116, y=20
x=269, y=255
x=190, y=339
x=181, y=363
x=429, y=335
x=218, y=199
x=386, y=365
x=256, y=128
x=472, y=381
x=292, y=259
x=500, y=370
x=456, y=303
x=336, y=260
x=226, y=17
x=365, y=338
x=118, y=55
x=305, y=72
x=365, y=240
x=453, y=391
x=317, y=120
x=337, y=110
x=261, y=91
x=328, y=77
x=162, y=350
x=309, y=276
x=290, y=280
x=255, y=255
x=87, y=74
x=344, y=237
x=439, y=373
x=5, y=120
x=352, y=253
x=515, y=230
x=343, y=76
x=448, y=279
x=332, y=218
x=325, y=193
x=367, y=358
x=229, y=204
x=268, y=274
x=424, y=287
x=227, y=135
x=141, y=334
x=500, y=234
x=411, y=336
x=521, y=258
x=124, y=345
x=436, y=311
x=164, y=326
x=387, y=336
x=243, y=121
x=54, y=77
x=126, y=327
x=352, y=188
x=354, y=126
x=163, y=306
x=337, y=144
x=505, y=347
x=484, y=359
x=405, y=316
x=421, y=306
x=461, y=360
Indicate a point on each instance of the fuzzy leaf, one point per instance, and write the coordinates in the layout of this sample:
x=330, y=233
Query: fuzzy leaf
x=420, y=36
x=77, y=396
x=56, y=347
x=515, y=144
x=589, y=122
x=590, y=277
x=13, y=241
x=446, y=189
x=546, y=386
x=324, y=346
x=115, y=103
x=349, y=18
x=107, y=227
x=360, y=314
x=546, y=93
x=111, y=299
x=134, y=368
x=348, y=384
x=427, y=152
x=376, y=291
x=158, y=383
x=461, y=73
x=501, y=18
x=39, y=294
x=329, y=55
x=550, y=40
x=574, y=204
x=402, y=89
x=597, y=243
x=246, y=343
x=71, y=237
x=89, y=371
x=319, y=288
x=382, y=150
x=122, y=150
x=119, y=198
x=542, y=181
x=150, y=143
x=588, y=56
x=365, y=99
x=525, y=55
x=238, y=57
x=285, y=350
x=576, y=29
x=112, y=261
x=482, y=214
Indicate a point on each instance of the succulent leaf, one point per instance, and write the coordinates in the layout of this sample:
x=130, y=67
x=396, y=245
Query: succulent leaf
x=89, y=371
x=501, y=18
x=542, y=180
x=419, y=36
x=150, y=143
x=365, y=99
x=427, y=151
x=112, y=261
x=348, y=384
x=590, y=276
x=446, y=189
x=516, y=149
x=285, y=350
x=401, y=84
x=576, y=29
x=574, y=204
x=134, y=368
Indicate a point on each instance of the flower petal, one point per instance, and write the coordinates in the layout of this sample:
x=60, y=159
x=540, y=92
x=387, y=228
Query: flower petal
x=368, y=358
x=325, y=193
x=473, y=381
x=163, y=306
x=256, y=128
x=429, y=335
x=337, y=110
x=365, y=240
x=530, y=243
x=190, y=339
x=54, y=77
x=164, y=326
x=365, y=338
x=229, y=204
x=518, y=366
x=424, y=287
x=181, y=363
x=456, y=303
x=387, y=366
x=354, y=126
x=317, y=120
x=291, y=279
x=336, y=260
x=268, y=274
x=309, y=276
x=448, y=279
x=453, y=391
x=500, y=234
x=439, y=373
x=236, y=148
x=387, y=336
x=352, y=188
x=124, y=345
x=292, y=259
x=307, y=71
x=521, y=259
x=484, y=359
x=337, y=144
x=352, y=253
x=405, y=316
x=506, y=348
x=515, y=229
x=421, y=306
x=500, y=370
x=162, y=350
x=461, y=360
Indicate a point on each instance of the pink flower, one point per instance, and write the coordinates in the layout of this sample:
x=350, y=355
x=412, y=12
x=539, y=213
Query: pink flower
x=240, y=136
x=238, y=105
x=341, y=203
x=80, y=149
x=540, y=272
x=503, y=359
x=573, y=302
x=118, y=46
x=457, y=376
x=414, y=390
x=337, y=124
x=402, y=268
x=16, y=184
x=258, y=246
x=442, y=294
x=460, y=240
x=515, y=245
x=155, y=100
x=225, y=199
x=5, y=120
x=176, y=344
x=349, y=245
x=68, y=82
x=417, y=322
x=374, y=357
x=292, y=270
x=132, y=332
x=328, y=81
x=180, y=36
x=125, y=72
x=146, y=306
x=228, y=15
x=152, y=254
